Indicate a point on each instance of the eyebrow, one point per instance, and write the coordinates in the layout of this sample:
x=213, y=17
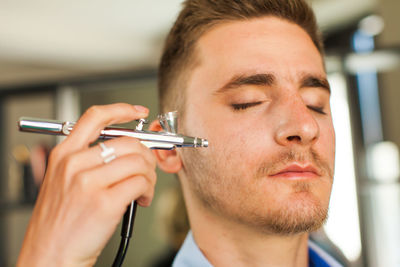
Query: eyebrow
x=255, y=79
x=315, y=81
x=268, y=79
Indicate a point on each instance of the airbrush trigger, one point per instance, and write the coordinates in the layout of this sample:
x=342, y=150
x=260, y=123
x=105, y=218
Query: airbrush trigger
x=141, y=124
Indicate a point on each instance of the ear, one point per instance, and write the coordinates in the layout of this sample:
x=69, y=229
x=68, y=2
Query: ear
x=167, y=160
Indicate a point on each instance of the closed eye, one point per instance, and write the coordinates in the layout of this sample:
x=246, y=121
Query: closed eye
x=244, y=106
x=319, y=110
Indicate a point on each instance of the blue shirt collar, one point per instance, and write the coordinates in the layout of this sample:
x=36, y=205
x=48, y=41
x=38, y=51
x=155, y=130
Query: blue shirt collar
x=190, y=256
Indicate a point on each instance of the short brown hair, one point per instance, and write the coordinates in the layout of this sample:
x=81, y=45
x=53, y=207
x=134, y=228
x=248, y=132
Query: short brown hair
x=198, y=16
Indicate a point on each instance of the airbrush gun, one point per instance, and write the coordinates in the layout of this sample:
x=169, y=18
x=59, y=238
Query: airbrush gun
x=168, y=139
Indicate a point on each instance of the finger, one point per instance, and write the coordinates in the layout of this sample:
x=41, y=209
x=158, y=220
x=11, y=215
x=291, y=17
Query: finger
x=96, y=118
x=118, y=170
x=134, y=188
x=90, y=158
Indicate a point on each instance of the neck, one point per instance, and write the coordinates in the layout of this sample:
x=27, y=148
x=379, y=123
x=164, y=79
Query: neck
x=228, y=243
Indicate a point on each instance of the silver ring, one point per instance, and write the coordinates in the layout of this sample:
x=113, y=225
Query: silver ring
x=107, y=153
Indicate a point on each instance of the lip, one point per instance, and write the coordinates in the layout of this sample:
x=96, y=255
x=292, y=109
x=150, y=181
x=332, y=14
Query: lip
x=297, y=171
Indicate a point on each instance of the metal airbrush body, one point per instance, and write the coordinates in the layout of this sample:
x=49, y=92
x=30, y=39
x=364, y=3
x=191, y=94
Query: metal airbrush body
x=168, y=139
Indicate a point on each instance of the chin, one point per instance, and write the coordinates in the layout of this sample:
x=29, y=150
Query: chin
x=300, y=211
x=303, y=212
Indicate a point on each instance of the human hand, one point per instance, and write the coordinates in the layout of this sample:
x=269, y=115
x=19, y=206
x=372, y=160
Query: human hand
x=82, y=199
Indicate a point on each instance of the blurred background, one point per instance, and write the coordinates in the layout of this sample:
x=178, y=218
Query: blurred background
x=57, y=58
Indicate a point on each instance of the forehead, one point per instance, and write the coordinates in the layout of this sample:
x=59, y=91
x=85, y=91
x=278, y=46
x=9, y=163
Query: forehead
x=256, y=46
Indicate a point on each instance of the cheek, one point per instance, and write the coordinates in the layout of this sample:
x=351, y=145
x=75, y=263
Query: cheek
x=235, y=137
x=330, y=142
x=326, y=143
x=232, y=147
x=237, y=140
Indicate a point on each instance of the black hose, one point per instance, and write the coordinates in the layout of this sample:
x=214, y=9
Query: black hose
x=126, y=233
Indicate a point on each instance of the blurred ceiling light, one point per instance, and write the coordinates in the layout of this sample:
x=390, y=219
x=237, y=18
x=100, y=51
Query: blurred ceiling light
x=332, y=15
x=374, y=61
x=383, y=162
x=372, y=25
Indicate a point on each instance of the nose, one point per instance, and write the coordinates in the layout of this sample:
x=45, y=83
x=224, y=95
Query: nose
x=296, y=124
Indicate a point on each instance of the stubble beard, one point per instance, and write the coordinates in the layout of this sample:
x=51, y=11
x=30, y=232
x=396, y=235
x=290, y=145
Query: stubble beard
x=218, y=191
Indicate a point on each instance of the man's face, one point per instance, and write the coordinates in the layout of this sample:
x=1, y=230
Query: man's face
x=259, y=95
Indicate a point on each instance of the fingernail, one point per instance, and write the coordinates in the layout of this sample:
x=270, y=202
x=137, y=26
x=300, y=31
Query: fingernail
x=141, y=109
